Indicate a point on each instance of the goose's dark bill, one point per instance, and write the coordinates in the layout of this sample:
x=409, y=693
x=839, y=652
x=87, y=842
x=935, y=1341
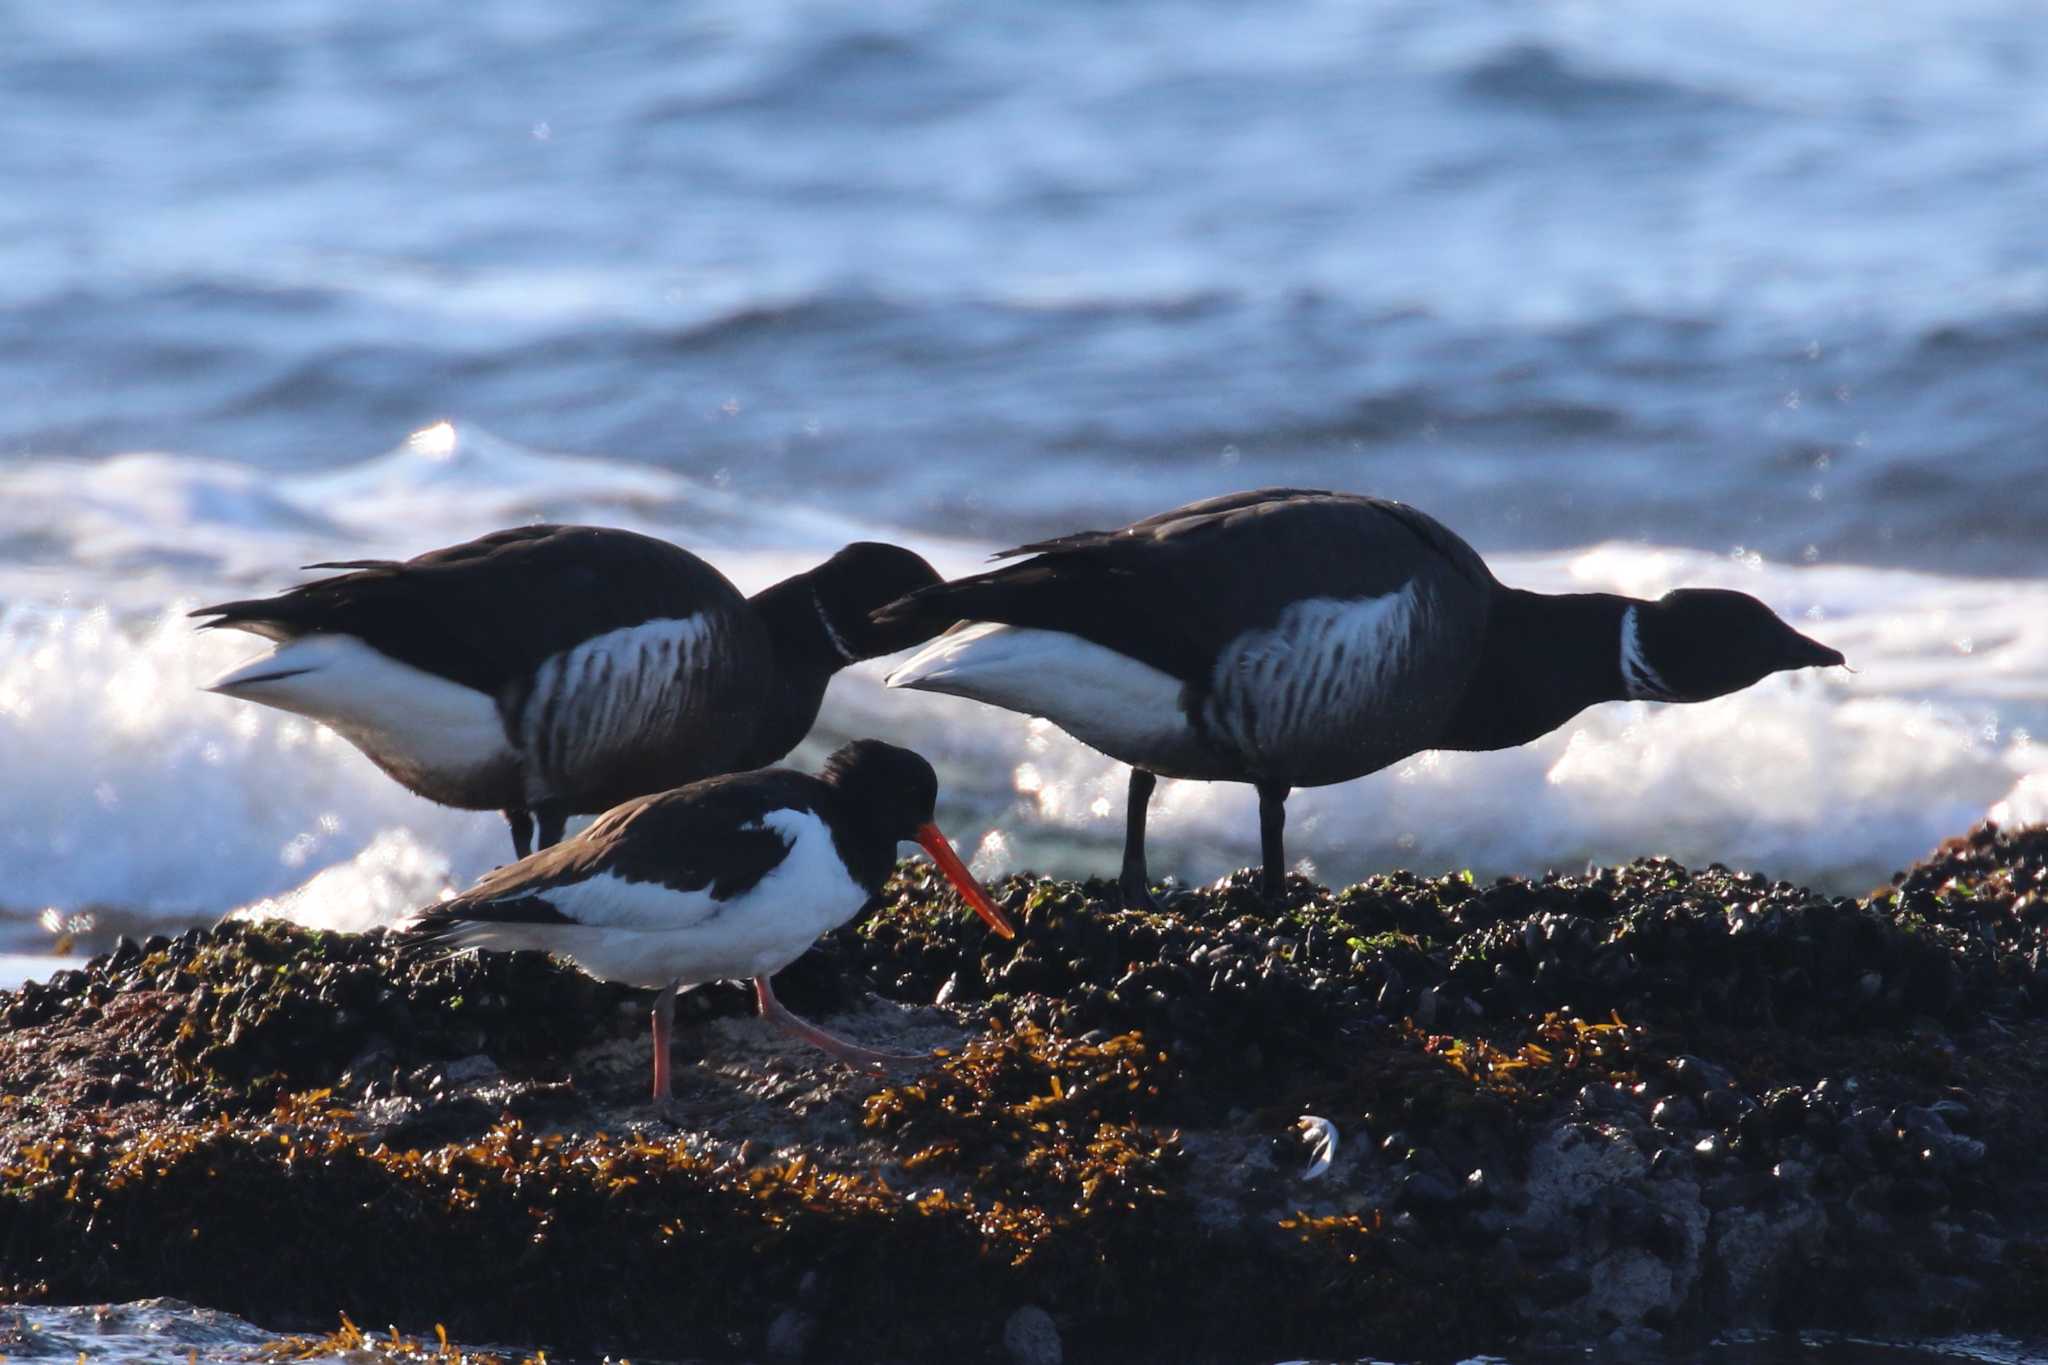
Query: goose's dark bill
x=934, y=843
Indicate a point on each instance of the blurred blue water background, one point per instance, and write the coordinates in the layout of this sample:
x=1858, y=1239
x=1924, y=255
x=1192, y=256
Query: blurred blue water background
x=1714, y=273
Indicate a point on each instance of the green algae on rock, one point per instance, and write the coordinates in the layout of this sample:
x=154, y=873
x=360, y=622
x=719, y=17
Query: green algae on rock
x=1640, y=1101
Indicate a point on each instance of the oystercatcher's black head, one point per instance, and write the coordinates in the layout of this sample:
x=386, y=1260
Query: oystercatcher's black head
x=862, y=577
x=891, y=793
x=894, y=788
x=1694, y=644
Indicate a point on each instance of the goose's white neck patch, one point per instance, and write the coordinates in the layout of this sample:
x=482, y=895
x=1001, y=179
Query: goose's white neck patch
x=832, y=631
x=1638, y=679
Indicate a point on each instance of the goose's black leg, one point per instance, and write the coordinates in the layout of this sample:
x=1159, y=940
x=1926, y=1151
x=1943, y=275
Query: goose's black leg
x=550, y=816
x=521, y=821
x=1272, y=823
x=1133, y=884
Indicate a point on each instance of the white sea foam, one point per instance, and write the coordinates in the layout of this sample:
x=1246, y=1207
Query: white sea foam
x=130, y=787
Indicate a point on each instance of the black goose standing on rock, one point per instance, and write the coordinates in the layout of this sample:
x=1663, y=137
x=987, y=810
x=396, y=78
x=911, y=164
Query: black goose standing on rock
x=1295, y=638
x=729, y=878
x=550, y=671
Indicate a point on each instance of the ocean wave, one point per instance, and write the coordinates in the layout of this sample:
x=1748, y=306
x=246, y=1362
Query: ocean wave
x=136, y=530
x=1539, y=76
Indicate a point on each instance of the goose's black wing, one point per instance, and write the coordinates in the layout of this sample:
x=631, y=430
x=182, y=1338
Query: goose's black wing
x=487, y=612
x=1173, y=590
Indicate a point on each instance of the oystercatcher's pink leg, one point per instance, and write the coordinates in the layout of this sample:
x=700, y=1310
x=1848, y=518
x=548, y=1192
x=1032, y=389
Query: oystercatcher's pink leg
x=866, y=1058
x=664, y=1015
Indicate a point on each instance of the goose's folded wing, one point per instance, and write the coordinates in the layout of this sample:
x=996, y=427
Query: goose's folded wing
x=1175, y=590
x=496, y=607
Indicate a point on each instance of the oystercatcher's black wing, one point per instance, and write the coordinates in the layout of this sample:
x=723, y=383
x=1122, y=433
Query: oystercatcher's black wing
x=707, y=837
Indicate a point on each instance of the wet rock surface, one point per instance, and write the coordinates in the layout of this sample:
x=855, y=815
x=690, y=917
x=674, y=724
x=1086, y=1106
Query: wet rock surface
x=1638, y=1103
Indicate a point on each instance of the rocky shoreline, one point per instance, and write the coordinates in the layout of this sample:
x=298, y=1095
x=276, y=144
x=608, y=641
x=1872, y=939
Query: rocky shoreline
x=1639, y=1104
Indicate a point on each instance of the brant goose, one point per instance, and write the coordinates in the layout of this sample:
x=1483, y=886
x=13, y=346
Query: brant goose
x=731, y=877
x=1295, y=638
x=550, y=671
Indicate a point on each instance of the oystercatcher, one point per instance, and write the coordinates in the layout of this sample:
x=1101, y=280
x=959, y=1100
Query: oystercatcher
x=1296, y=638
x=732, y=877
x=550, y=671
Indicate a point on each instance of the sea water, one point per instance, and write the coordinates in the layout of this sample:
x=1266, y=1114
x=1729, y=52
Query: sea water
x=154, y=1331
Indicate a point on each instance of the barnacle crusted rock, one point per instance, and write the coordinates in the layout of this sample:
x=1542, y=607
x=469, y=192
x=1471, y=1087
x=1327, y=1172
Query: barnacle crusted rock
x=1642, y=1101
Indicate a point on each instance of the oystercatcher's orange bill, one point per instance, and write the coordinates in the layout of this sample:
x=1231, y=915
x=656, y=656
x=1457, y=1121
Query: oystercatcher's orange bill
x=956, y=872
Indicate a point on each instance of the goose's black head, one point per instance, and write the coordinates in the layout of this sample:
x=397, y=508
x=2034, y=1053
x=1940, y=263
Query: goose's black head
x=864, y=576
x=889, y=795
x=1694, y=644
